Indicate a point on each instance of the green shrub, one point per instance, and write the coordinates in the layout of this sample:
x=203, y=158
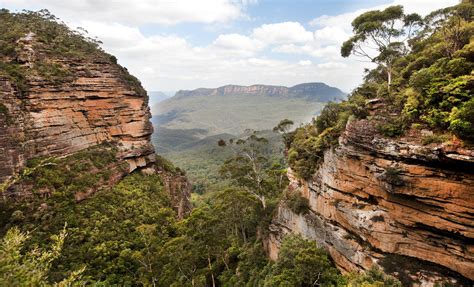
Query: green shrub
x=20, y=267
x=434, y=138
x=392, y=128
x=301, y=263
x=16, y=73
x=111, y=232
x=393, y=176
x=131, y=81
x=461, y=120
x=372, y=277
x=309, y=142
x=4, y=112
x=165, y=164
x=297, y=203
x=53, y=72
x=78, y=172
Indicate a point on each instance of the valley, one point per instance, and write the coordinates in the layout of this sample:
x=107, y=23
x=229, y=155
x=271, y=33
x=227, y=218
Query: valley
x=188, y=125
x=105, y=184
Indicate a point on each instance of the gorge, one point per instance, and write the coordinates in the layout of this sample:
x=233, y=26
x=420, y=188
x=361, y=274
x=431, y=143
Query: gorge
x=376, y=190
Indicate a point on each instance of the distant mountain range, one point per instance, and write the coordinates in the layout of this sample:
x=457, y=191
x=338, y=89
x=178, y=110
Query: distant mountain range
x=156, y=97
x=318, y=92
x=189, y=124
x=232, y=109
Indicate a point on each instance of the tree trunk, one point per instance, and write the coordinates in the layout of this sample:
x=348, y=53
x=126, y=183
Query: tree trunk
x=262, y=200
x=389, y=77
x=210, y=269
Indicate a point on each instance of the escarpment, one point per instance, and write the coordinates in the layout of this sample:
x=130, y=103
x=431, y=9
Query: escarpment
x=396, y=203
x=78, y=115
x=311, y=91
x=93, y=104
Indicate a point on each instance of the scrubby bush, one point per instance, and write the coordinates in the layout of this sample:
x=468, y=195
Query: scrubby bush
x=461, y=120
x=165, y=164
x=392, y=128
x=373, y=277
x=20, y=267
x=297, y=203
x=311, y=141
x=434, y=138
x=302, y=263
x=78, y=172
x=392, y=175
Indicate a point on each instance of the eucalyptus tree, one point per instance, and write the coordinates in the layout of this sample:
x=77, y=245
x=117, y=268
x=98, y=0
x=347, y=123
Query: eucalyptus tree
x=382, y=36
x=250, y=167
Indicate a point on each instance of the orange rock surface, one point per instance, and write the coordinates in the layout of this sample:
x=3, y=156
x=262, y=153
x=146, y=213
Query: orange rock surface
x=418, y=221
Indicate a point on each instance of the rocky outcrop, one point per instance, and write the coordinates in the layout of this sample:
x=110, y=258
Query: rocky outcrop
x=319, y=92
x=93, y=103
x=406, y=207
x=179, y=189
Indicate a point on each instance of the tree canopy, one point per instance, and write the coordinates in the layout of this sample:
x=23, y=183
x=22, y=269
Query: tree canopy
x=382, y=36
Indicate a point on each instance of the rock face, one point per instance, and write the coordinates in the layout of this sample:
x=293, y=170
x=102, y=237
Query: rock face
x=96, y=103
x=179, y=188
x=57, y=120
x=314, y=91
x=406, y=207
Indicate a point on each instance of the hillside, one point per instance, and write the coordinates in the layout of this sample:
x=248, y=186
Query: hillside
x=75, y=150
x=156, y=97
x=388, y=174
x=376, y=190
x=188, y=125
x=232, y=109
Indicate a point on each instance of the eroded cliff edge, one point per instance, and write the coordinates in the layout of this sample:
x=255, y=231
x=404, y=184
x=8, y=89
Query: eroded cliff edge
x=406, y=207
x=61, y=105
x=95, y=105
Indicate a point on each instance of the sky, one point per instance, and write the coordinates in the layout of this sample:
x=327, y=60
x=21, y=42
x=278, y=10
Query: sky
x=174, y=45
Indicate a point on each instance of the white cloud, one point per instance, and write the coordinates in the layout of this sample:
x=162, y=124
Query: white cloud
x=331, y=35
x=422, y=7
x=305, y=63
x=280, y=33
x=237, y=42
x=332, y=31
x=171, y=62
x=332, y=65
x=313, y=49
x=165, y=12
x=114, y=34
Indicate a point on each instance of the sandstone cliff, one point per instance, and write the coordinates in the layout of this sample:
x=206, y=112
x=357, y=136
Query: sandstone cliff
x=406, y=207
x=319, y=92
x=57, y=119
x=76, y=104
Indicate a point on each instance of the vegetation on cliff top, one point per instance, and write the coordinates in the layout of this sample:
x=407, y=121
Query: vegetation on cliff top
x=31, y=42
x=423, y=78
x=128, y=235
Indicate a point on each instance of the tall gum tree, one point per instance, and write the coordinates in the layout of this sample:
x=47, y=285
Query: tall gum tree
x=382, y=37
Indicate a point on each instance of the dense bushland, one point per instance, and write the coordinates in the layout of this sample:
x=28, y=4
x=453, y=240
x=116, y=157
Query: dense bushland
x=424, y=81
x=127, y=235
x=51, y=42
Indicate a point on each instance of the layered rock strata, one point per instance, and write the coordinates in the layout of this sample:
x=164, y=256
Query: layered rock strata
x=406, y=207
x=312, y=91
x=94, y=103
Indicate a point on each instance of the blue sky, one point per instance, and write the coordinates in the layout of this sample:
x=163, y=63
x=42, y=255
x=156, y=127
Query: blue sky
x=187, y=44
x=262, y=12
